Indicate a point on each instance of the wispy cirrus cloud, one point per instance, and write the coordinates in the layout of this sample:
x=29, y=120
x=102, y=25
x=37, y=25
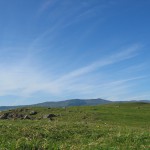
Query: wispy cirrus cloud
x=46, y=4
x=67, y=49
x=25, y=80
x=64, y=15
x=120, y=56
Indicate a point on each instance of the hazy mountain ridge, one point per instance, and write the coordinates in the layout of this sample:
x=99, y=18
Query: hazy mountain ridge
x=72, y=102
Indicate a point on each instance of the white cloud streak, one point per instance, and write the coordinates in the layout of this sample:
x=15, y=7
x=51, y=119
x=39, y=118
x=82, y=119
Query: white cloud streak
x=24, y=80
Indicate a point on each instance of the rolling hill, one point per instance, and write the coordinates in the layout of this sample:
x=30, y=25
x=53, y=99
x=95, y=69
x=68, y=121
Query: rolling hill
x=65, y=103
x=116, y=126
x=72, y=102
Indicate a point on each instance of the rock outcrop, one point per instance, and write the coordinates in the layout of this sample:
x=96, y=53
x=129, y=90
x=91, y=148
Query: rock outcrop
x=25, y=113
x=49, y=116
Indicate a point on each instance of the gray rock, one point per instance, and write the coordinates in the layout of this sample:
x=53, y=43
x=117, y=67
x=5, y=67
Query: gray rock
x=26, y=117
x=4, y=116
x=15, y=116
x=20, y=116
x=33, y=113
x=10, y=115
x=50, y=116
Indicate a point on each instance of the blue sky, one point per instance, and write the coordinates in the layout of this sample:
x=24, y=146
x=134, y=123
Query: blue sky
x=53, y=50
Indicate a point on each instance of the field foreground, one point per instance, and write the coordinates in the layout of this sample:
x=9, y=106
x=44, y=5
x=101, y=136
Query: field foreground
x=105, y=127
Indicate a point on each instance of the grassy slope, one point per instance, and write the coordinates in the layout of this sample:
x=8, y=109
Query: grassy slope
x=113, y=126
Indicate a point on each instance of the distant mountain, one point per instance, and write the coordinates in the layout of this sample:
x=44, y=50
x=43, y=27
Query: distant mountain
x=143, y=101
x=66, y=103
x=72, y=102
x=8, y=107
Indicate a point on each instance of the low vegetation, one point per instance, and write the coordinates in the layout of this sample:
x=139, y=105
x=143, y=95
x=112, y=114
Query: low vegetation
x=106, y=127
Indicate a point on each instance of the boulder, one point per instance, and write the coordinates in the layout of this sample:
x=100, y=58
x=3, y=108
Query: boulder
x=33, y=113
x=4, y=116
x=50, y=116
x=21, y=116
x=10, y=115
x=15, y=116
x=26, y=117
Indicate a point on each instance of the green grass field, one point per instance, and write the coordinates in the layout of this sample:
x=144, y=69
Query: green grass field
x=105, y=127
